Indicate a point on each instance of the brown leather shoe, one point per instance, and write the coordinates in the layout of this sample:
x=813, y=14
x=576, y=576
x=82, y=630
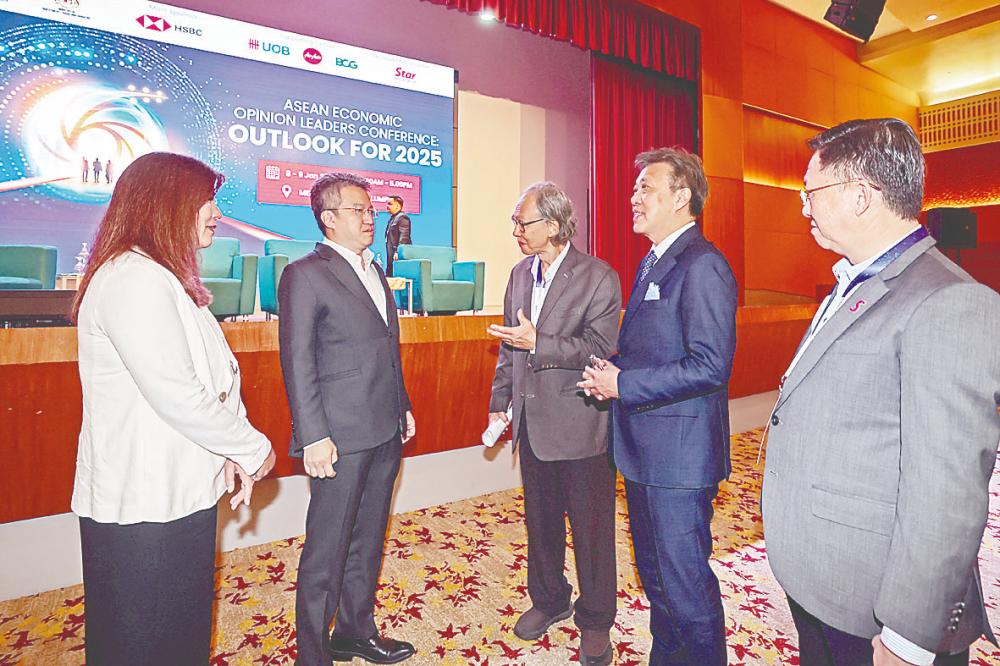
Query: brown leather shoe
x=595, y=647
x=533, y=623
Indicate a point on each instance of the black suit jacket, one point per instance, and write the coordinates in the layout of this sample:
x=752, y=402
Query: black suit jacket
x=397, y=233
x=340, y=361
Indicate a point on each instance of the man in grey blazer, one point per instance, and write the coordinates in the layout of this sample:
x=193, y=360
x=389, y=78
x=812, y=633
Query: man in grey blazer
x=561, y=307
x=339, y=341
x=884, y=437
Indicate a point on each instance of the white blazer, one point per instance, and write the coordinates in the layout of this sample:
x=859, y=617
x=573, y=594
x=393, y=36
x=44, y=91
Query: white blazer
x=161, y=399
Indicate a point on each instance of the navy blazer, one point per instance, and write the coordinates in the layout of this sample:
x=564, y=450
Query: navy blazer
x=670, y=425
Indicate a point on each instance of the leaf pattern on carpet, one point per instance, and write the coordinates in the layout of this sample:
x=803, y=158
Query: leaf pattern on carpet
x=454, y=581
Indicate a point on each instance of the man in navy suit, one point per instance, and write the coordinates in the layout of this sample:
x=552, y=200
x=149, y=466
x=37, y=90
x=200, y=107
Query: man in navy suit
x=670, y=415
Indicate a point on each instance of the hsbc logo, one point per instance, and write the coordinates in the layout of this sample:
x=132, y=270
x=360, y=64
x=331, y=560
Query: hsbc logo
x=153, y=23
x=158, y=24
x=349, y=64
x=312, y=56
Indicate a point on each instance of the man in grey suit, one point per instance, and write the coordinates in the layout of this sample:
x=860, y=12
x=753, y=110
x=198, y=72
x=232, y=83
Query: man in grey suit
x=397, y=231
x=884, y=436
x=561, y=307
x=340, y=359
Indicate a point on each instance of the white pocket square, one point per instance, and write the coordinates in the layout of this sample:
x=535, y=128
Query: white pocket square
x=652, y=292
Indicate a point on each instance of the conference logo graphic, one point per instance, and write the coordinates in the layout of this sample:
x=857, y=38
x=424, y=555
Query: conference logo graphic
x=312, y=56
x=270, y=47
x=157, y=24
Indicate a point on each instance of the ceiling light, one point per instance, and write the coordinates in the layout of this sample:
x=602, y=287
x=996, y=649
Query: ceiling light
x=487, y=15
x=932, y=17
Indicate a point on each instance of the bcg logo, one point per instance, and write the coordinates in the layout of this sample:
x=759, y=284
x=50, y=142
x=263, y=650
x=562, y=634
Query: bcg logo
x=312, y=56
x=345, y=62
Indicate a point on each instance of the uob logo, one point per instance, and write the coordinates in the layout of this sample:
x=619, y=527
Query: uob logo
x=275, y=48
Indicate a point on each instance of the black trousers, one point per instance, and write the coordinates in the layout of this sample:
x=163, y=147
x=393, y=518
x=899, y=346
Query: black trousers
x=585, y=490
x=342, y=555
x=149, y=589
x=822, y=645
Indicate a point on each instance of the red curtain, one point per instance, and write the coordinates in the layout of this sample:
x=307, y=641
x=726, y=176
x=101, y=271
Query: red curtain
x=633, y=110
x=630, y=31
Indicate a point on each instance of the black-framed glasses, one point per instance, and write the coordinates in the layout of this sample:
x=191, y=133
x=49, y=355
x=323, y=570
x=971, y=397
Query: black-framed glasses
x=360, y=211
x=521, y=225
x=804, y=194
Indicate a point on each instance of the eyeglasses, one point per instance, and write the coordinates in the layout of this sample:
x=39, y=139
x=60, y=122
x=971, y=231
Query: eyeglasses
x=804, y=194
x=360, y=211
x=521, y=225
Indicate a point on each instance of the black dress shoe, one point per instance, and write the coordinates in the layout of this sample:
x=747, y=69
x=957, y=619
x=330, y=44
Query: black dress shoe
x=375, y=649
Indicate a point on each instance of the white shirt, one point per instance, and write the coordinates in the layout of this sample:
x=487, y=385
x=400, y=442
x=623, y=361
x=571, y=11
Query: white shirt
x=540, y=288
x=362, y=265
x=665, y=244
x=845, y=273
x=161, y=399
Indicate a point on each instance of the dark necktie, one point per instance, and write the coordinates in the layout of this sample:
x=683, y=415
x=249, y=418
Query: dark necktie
x=647, y=265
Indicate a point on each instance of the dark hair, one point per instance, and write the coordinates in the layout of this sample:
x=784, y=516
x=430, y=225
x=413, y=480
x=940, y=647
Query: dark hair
x=883, y=151
x=325, y=192
x=154, y=207
x=397, y=199
x=687, y=172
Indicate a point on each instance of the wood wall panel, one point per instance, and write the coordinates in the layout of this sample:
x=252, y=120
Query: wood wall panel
x=448, y=374
x=723, y=224
x=774, y=149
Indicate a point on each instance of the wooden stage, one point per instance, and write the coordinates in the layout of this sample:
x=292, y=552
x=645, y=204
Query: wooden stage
x=447, y=363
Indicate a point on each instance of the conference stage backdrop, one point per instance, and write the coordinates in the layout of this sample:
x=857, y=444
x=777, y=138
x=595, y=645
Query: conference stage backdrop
x=87, y=86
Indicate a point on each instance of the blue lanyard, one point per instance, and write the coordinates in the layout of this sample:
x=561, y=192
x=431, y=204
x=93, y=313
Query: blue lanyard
x=874, y=268
x=890, y=256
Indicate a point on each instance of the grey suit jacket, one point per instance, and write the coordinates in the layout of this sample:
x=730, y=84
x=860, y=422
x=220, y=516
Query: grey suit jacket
x=340, y=361
x=579, y=318
x=880, y=453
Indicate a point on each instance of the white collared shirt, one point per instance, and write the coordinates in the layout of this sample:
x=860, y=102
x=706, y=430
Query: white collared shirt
x=845, y=272
x=363, y=268
x=665, y=244
x=540, y=288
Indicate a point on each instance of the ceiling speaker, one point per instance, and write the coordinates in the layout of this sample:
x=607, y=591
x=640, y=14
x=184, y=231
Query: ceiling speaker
x=855, y=17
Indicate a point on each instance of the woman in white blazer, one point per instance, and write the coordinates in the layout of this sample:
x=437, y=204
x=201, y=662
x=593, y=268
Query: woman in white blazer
x=164, y=431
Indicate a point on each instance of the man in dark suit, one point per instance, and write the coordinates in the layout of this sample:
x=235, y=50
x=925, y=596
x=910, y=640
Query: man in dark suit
x=340, y=359
x=883, y=440
x=670, y=417
x=561, y=306
x=397, y=231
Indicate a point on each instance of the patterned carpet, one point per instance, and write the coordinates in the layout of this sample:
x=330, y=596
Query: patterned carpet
x=454, y=581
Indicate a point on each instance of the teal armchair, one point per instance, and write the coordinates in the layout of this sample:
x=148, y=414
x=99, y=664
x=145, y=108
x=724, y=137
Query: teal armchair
x=277, y=255
x=230, y=276
x=27, y=267
x=441, y=285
